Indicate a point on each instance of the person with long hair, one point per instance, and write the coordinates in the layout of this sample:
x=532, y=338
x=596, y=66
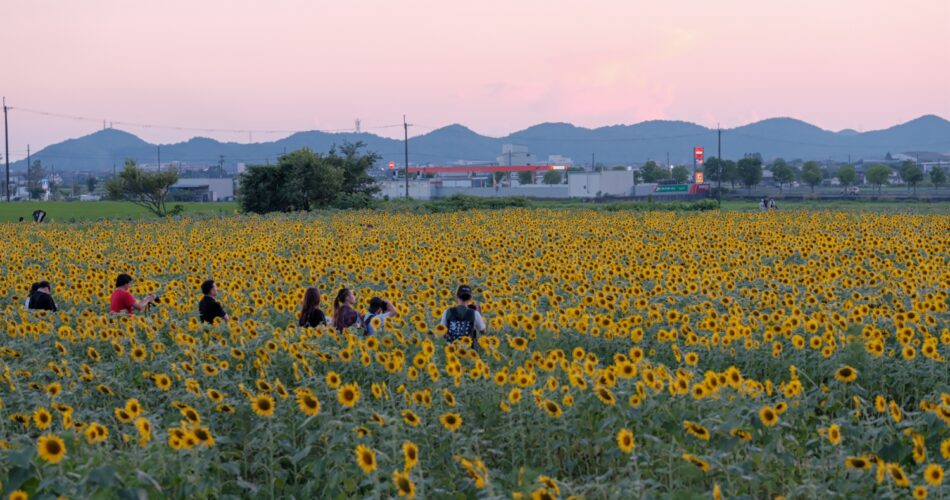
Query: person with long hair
x=344, y=316
x=310, y=313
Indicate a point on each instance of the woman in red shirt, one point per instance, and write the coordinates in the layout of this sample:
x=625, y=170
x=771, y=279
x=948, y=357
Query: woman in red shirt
x=123, y=301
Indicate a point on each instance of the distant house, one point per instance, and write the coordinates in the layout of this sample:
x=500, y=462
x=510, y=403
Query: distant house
x=204, y=189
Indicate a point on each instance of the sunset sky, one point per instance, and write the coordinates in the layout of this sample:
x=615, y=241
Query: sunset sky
x=494, y=66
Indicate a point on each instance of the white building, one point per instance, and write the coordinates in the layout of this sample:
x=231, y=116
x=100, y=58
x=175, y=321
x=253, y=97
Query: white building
x=207, y=189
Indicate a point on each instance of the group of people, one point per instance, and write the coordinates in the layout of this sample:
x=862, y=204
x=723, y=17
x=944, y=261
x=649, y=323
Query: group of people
x=766, y=204
x=462, y=320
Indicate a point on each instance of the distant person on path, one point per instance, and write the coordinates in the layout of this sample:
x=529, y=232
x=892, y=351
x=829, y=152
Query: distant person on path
x=310, y=313
x=379, y=309
x=41, y=299
x=209, y=308
x=763, y=204
x=771, y=204
x=465, y=319
x=344, y=316
x=123, y=301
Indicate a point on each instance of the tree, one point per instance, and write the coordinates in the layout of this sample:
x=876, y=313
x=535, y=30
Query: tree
x=652, y=172
x=730, y=172
x=552, y=177
x=304, y=180
x=846, y=175
x=911, y=174
x=146, y=189
x=750, y=171
x=525, y=177
x=91, y=183
x=680, y=174
x=938, y=176
x=811, y=174
x=877, y=175
x=713, y=168
x=34, y=178
x=782, y=173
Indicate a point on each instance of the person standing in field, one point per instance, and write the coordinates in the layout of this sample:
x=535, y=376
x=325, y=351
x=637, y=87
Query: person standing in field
x=344, y=315
x=122, y=301
x=209, y=308
x=379, y=309
x=310, y=313
x=41, y=299
x=464, y=319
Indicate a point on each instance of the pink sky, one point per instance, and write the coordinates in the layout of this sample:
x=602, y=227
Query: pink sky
x=494, y=66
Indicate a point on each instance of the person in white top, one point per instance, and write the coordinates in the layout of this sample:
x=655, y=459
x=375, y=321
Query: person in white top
x=378, y=308
x=465, y=319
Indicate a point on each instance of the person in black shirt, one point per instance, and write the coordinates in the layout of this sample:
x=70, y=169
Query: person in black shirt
x=209, y=308
x=310, y=313
x=41, y=299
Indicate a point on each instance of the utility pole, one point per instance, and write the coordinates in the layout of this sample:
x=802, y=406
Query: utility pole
x=28, y=160
x=719, y=157
x=159, y=157
x=592, y=162
x=6, y=146
x=405, y=131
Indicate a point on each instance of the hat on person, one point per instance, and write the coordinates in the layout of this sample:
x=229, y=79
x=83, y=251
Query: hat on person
x=464, y=292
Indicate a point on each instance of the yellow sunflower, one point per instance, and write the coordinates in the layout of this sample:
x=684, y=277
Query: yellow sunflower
x=51, y=448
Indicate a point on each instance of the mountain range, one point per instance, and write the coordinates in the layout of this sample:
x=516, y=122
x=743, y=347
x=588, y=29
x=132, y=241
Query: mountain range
x=613, y=145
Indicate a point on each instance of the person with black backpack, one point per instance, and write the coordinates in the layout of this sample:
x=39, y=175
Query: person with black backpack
x=465, y=319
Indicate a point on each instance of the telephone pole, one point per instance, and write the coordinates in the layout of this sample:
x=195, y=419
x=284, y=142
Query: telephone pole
x=159, y=147
x=6, y=146
x=405, y=131
x=719, y=157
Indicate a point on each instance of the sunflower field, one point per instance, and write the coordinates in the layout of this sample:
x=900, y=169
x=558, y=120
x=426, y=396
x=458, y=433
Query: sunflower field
x=792, y=354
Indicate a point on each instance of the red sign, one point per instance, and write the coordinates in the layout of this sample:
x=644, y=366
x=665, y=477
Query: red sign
x=392, y=165
x=698, y=152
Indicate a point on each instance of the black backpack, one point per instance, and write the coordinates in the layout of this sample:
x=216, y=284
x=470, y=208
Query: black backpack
x=459, y=322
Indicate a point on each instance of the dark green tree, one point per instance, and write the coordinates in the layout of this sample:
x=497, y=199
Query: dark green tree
x=846, y=175
x=749, y=170
x=811, y=174
x=877, y=175
x=526, y=177
x=34, y=177
x=651, y=172
x=680, y=174
x=91, y=183
x=552, y=177
x=938, y=176
x=911, y=174
x=143, y=188
x=782, y=173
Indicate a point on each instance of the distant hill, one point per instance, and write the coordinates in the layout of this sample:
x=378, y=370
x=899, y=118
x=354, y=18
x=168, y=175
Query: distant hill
x=613, y=145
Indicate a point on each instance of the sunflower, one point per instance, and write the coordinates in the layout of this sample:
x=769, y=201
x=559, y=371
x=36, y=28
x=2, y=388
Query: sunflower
x=348, y=394
x=42, y=418
x=552, y=408
x=51, y=448
x=133, y=407
x=696, y=430
x=768, y=416
x=451, y=421
x=365, y=458
x=605, y=396
x=933, y=474
x=698, y=462
x=122, y=415
x=625, y=441
x=860, y=463
x=846, y=374
x=162, y=381
x=898, y=475
x=834, y=434
x=308, y=403
x=204, y=436
x=410, y=418
x=263, y=405
x=19, y=495
x=895, y=410
x=410, y=453
x=945, y=449
x=920, y=493
x=404, y=485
